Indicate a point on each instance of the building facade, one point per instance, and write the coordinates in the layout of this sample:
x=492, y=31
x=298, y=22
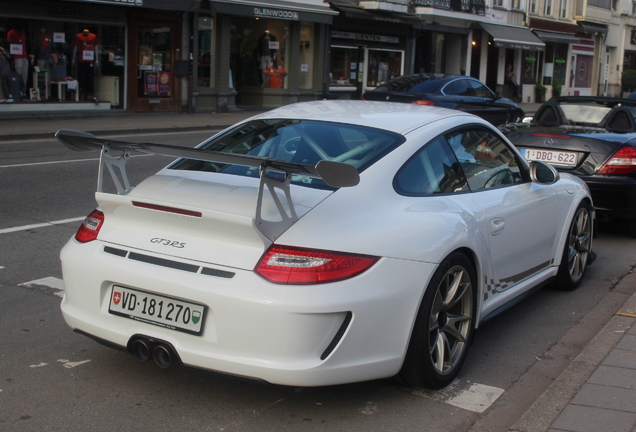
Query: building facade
x=220, y=55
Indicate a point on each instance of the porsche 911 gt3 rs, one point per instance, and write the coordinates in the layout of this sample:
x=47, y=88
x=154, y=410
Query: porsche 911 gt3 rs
x=322, y=243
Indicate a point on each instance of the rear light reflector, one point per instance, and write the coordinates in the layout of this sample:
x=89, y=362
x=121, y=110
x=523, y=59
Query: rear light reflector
x=423, y=102
x=289, y=265
x=90, y=227
x=623, y=162
x=545, y=135
x=167, y=209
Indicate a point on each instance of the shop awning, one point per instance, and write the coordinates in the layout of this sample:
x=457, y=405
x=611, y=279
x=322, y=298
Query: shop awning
x=590, y=27
x=513, y=37
x=276, y=9
x=173, y=5
x=356, y=12
x=557, y=37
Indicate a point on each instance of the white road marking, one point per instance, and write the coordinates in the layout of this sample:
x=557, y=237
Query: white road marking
x=69, y=364
x=56, y=284
x=38, y=365
x=48, y=163
x=41, y=225
x=63, y=162
x=476, y=397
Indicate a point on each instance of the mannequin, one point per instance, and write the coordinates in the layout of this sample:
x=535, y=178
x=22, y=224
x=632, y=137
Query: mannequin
x=276, y=74
x=86, y=55
x=265, y=51
x=17, y=47
x=42, y=47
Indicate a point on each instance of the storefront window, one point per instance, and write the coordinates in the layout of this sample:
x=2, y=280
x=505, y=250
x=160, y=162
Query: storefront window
x=155, y=62
x=383, y=65
x=73, y=61
x=259, y=53
x=530, y=67
x=345, y=66
x=555, y=63
x=205, y=69
x=307, y=46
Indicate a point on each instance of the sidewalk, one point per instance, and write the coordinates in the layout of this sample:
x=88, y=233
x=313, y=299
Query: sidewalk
x=595, y=391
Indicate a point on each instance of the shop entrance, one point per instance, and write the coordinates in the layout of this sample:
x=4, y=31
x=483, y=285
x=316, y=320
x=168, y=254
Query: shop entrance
x=152, y=78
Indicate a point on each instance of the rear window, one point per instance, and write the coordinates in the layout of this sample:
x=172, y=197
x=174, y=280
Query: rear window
x=585, y=114
x=297, y=141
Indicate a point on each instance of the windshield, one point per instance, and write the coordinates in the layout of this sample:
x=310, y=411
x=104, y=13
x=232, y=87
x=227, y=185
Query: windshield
x=585, y=113
x=297, y=141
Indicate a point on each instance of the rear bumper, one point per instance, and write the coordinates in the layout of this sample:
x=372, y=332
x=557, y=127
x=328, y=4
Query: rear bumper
x=347, y=331
x=614, y=196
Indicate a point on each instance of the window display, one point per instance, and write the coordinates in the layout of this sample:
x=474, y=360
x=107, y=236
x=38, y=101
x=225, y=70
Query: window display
x=383, y=65
x=256, y=45
x=69, y=59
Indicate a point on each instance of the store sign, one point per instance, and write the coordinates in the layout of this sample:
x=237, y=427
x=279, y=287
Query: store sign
x=275, y=13
x=365, y=37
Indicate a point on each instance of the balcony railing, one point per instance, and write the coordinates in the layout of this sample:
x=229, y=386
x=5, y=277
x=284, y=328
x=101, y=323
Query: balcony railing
x=476, y=7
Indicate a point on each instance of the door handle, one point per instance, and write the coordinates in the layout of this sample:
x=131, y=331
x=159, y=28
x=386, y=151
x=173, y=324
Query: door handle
x=497, y=225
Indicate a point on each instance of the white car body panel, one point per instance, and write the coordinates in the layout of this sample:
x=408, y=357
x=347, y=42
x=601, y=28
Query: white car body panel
x=278, y=333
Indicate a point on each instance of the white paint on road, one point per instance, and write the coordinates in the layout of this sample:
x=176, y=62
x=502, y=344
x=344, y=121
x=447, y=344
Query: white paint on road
x=477, y=398
x=41, y=225
x=38, y=365
x=55, y=284
x=469, y=396
x=69, y=364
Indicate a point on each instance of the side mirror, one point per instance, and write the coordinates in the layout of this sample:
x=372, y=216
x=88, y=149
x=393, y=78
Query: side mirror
x=542, y=173
x=498, y=96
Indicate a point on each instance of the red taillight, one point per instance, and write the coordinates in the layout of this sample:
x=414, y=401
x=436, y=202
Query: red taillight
x=623, y=162
x=288, y=265
x=90, y=227
x=423, y=102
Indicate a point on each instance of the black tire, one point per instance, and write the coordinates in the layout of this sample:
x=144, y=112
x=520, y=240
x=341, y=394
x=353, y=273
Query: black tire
x=444, y=326
x=577, y=250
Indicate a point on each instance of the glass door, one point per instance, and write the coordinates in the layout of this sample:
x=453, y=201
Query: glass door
x=154, y=80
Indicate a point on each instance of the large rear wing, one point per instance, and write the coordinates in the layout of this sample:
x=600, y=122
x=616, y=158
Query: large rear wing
x=335, y=174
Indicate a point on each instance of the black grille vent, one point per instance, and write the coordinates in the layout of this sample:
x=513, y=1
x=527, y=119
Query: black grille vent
x=338, y=336
x=162, y=262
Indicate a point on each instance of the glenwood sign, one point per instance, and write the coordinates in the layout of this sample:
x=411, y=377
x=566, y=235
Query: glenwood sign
x=275, y=13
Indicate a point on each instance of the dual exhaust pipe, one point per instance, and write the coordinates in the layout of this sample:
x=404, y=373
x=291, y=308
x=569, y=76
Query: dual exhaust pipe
x=144, y=348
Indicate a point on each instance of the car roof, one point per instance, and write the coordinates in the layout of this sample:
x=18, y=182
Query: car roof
x=394, y=117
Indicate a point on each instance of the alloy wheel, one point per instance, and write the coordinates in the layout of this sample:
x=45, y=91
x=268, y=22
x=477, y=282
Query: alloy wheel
x=450, y=320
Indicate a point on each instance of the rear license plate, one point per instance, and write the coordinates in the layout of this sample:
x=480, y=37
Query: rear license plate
x=158, y=310
x=550, y=156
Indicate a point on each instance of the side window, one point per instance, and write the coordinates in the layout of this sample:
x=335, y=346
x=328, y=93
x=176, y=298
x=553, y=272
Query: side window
x=485, y=159
x=481, y=90
x=458, y=87
x=432, y=170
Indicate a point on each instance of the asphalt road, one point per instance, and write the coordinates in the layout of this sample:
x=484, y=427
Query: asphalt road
x=52, y=379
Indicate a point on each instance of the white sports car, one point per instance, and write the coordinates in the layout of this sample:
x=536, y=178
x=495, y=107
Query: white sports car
x=322, y=243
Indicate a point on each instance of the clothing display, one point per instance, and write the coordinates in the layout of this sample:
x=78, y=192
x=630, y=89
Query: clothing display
x=16, y=39
x=275, y=75
x=85, y=53
x=43, y=47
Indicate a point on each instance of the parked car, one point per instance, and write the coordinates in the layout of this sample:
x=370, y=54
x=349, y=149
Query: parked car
x=593, y=138
x=322, y=243
x=458, y=92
